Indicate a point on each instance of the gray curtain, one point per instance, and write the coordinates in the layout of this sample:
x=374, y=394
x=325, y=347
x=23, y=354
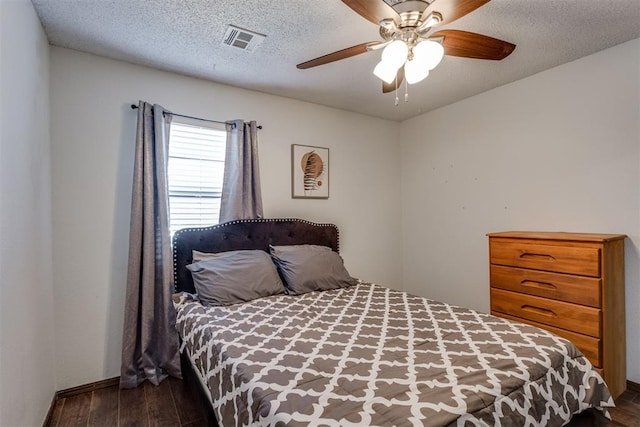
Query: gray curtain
x=150, y=341
x=241, y=194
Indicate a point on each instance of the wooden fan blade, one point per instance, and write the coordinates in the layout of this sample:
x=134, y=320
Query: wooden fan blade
x=453, y=9
x=390, y=87
x=338, y=55
x=372, y=10
x=472, y=45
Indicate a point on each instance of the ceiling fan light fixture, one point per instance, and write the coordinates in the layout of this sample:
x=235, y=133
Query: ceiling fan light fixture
x=385, y=71
x=415, y=71
x=428, y=53
x=406, y=30
x=395, y=54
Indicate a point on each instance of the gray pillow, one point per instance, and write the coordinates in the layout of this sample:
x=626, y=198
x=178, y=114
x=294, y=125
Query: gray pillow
x=307, y=268
x=200, y=256
x=234, y=277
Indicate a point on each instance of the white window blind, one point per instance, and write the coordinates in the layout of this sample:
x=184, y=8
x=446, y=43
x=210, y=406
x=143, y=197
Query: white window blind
x=196, y=168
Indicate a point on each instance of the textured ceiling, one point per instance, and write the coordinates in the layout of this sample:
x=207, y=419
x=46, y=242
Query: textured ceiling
x=185, y=36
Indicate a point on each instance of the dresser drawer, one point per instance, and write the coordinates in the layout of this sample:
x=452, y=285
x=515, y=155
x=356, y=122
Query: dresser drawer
x=577, y=318
x=561, y=259
x=589, y=346
x=563, y=287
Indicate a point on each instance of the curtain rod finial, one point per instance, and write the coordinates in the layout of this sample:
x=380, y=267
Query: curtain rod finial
x=134, y=106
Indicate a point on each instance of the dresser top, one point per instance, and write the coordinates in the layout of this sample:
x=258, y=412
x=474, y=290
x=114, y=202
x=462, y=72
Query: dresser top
x=554, y=235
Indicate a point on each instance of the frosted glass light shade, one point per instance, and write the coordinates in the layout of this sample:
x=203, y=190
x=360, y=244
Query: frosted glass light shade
x=395, y=53
x=415, y=71
x=428, y=53
x=385, y=71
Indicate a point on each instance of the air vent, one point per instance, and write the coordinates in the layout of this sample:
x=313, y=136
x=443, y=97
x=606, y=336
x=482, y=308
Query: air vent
x=242, y=39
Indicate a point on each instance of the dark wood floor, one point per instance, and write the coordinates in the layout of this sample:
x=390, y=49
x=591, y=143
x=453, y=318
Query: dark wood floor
x=625, y=414
x=169, y=404
x=172, y=404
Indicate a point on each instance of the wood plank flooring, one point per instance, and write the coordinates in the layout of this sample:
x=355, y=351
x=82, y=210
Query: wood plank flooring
x=625, y=414
x=172, y=403
x=169, y=404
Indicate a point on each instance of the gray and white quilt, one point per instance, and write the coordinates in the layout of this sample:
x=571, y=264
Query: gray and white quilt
x=368, y=355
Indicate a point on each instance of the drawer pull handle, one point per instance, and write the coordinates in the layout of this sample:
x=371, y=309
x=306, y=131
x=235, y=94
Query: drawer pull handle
x=546, y=257
x=538, y=310
x=535, y=284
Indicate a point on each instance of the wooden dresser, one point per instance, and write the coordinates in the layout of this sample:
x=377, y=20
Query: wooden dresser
x=571, y=284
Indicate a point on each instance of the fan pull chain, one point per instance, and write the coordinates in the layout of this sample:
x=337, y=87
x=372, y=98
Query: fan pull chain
x=406, y=91
x=397, y=99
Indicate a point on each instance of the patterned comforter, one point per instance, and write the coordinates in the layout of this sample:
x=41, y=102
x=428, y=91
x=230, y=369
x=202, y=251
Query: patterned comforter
x=368, y=355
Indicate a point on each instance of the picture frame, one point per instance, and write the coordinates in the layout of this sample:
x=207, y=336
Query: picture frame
x=309, y=172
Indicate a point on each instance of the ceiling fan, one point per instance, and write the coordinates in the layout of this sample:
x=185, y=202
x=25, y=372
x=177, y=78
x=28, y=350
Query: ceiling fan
x=411, y=49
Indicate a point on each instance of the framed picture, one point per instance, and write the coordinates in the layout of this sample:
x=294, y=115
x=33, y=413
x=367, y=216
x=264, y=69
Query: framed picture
x=309, y=172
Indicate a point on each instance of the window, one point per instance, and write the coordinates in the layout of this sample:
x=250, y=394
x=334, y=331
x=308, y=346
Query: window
x=196, y=168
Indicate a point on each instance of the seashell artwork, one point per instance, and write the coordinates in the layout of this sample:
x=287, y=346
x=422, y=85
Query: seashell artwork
x=312, y=167
x=310, y=172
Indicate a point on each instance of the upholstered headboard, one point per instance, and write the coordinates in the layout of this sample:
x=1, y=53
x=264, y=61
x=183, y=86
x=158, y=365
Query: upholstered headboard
x=244, y=234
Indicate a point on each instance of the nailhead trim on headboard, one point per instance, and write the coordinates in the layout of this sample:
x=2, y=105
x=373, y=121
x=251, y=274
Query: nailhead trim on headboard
x=235, y=222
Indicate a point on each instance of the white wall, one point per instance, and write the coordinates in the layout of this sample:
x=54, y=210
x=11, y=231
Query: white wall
x=93, y=133
x=555, y=151
x=27, y=382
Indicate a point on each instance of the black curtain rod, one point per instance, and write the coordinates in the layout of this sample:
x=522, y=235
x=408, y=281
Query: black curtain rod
x=135, y=107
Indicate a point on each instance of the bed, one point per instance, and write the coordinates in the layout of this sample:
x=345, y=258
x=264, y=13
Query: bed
x=365, y=354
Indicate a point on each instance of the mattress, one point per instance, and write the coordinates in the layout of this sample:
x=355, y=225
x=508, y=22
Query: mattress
x=370, y=355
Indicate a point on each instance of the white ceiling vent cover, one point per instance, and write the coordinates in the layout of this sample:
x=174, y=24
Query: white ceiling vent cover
x=242, y=39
